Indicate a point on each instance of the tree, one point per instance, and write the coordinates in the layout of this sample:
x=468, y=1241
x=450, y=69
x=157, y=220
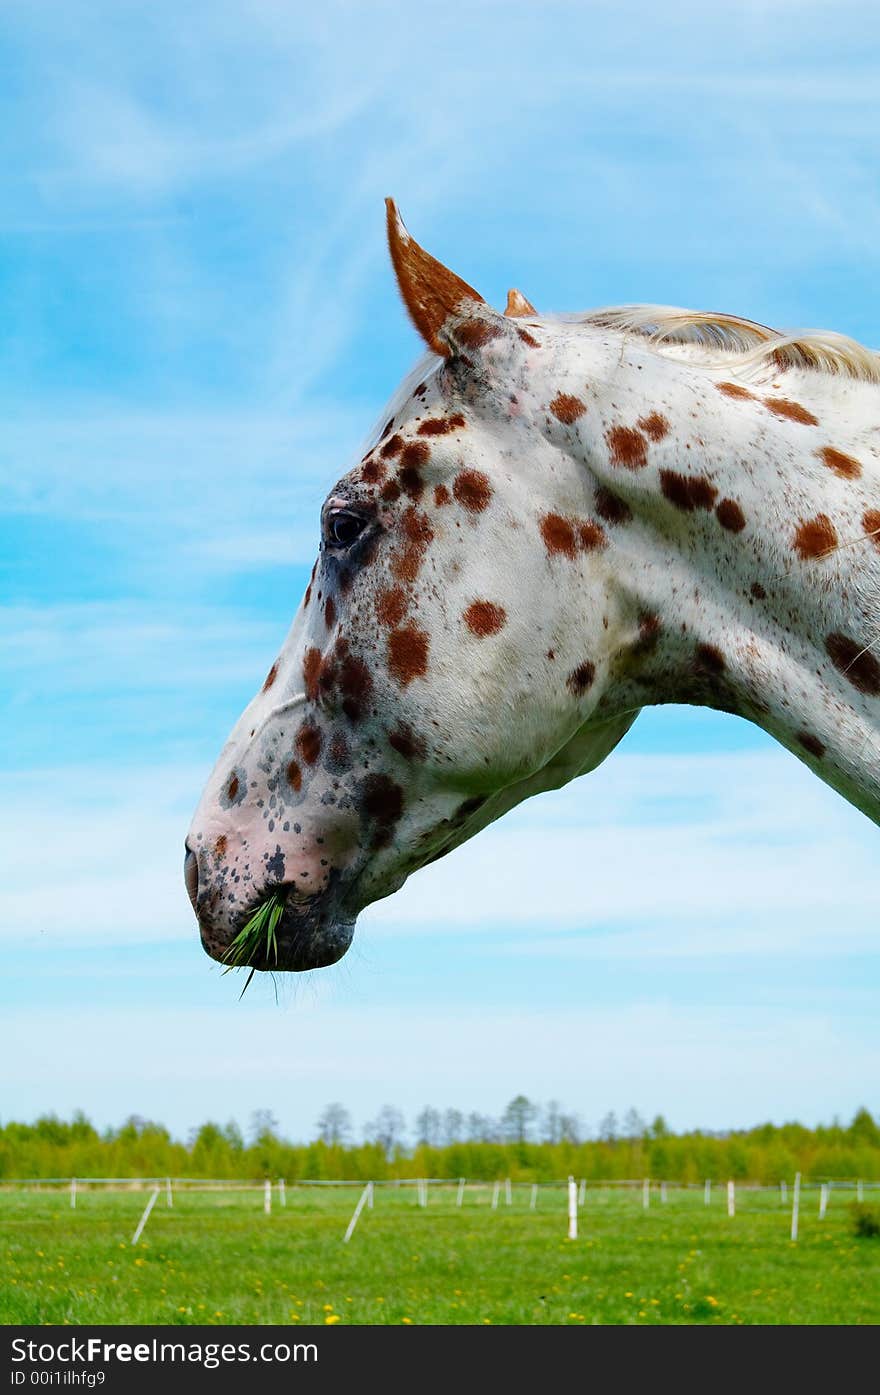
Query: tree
x=518, y=1119
x=387, y=1129
x=569, y=1128
x=863, y=1129
x=428, y=1126
x=634, y=1125
x=551, y=1128
x=334, y=1125
x=608, y=1127
x=453, y=1126
x=264, y=1126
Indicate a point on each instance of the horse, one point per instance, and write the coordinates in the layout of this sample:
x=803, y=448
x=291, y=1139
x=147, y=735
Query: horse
x=561, y=520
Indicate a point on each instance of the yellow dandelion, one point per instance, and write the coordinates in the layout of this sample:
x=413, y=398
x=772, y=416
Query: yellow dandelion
x=330, y=1319
x=408, y=1321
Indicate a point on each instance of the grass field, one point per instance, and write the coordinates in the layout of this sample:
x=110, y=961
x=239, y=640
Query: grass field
x=216, y=1257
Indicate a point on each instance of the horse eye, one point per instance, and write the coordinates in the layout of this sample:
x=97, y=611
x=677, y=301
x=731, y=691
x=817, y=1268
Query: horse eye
x=344, y=528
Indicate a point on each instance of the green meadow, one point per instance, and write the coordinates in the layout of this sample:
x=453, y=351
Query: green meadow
x=218, y=1258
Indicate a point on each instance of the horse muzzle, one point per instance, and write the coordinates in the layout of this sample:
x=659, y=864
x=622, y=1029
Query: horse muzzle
x=281, y=930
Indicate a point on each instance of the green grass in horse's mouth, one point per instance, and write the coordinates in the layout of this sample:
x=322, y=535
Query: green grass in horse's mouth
x=256, y=937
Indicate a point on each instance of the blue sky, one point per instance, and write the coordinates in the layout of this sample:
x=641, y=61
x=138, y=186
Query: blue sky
x=200, y=326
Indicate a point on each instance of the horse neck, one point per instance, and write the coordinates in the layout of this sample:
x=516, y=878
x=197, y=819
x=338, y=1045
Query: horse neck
x=740, y=556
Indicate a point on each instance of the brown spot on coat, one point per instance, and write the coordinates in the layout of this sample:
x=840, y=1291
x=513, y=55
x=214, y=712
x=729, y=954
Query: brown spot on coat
x=758, y=591
x=688, y=492
x=559, y=535
x=405, y=742
x=735, y=390
x=815, y=537
x=233, y=787
x=472, y=490
x=627, y=447
x=270, y=677
x=392, y=447
x=355, y=685
x=311, y=672
x=791, y=411
x=730, y=516
x=415, y=453
x=391, y=606
x=484, y=618
x=611, y=508
x=649, y=634
x=811, y=744
x=418, y=536
x=441, y=495
x=591, y=536
x=527, y=338
x=473, y=334
x=407, y=654
x=329, y=612
x=857, y=664
x=567, y=408
x=846, y=466
x=871, y=525
x=381, y=804
x=710, y=659
x=579, y=680
x=308, y=742
x=373, y=471
x=390, y=491
x=294, y=775
x=441, y=426
x=221, y=845
x=655, y=426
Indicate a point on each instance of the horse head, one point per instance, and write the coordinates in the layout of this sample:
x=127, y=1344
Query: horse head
x=447, y=659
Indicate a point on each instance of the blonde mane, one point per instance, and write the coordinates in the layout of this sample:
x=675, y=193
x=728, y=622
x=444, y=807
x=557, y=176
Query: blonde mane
x=752, y=345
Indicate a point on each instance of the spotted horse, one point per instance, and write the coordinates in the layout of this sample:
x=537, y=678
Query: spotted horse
x=562, y=520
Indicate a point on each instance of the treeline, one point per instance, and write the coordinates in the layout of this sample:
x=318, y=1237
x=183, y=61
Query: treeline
x=527, y=1143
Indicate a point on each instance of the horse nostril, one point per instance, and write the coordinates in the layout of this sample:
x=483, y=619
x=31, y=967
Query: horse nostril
x=191, y=875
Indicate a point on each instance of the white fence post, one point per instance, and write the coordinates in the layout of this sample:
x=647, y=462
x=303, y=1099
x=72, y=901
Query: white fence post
x=572, y=1209
x=495, y=1190
x=267, y=1196
x=707, y=1192
x=357, y=1211
x=534, y=1197
x=646, y=1193
x=731, y=1198
x=73, y=1193
x=860, y=1190
x=145, y=1217
x=423, y=1191
x=169, y=1198
x=662, y=1191
x=823, y=1200
x=508, y=1194
x=783, y=1191
x=459, y=1196
x=795, y=1205
x=370, y=1196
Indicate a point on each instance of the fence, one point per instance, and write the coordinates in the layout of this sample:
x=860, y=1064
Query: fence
x=579, y=1196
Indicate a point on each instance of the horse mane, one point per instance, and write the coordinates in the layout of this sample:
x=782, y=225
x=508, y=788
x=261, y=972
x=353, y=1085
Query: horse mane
x=754, y=346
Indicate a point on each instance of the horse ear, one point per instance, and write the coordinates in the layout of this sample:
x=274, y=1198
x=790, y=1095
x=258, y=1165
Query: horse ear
x=518, y=305
x=431, y=292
